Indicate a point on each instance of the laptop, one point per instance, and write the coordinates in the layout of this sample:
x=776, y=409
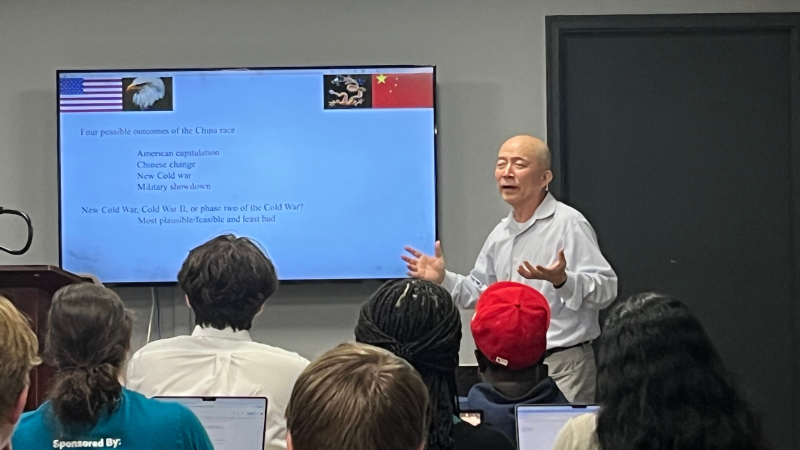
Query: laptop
x=538, y=425
x=232, y=423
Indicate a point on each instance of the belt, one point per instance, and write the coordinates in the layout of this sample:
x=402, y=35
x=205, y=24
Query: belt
x=554, y=350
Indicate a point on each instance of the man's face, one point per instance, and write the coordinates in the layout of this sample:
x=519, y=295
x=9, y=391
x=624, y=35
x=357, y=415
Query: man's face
x=519, y=174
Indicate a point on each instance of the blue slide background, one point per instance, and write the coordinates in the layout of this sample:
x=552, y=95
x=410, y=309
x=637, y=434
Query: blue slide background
x=365, y=178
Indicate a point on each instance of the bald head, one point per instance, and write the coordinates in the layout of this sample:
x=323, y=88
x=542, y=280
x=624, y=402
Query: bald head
x=530, y=146
x=523, y=173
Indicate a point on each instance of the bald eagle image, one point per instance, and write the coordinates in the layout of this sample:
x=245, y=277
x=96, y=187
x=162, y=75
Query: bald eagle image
x=147, y=94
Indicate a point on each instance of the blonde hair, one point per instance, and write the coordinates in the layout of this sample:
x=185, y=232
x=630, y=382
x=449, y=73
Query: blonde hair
x=358, y=397
x=18, y=354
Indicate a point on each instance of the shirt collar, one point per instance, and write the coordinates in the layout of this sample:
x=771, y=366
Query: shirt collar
x=227, y=333
x=546, y=209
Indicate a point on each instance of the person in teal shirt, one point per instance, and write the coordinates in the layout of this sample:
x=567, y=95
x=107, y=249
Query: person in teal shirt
x=87, y=342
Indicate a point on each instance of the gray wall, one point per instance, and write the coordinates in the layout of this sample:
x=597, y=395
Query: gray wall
x=491, y=67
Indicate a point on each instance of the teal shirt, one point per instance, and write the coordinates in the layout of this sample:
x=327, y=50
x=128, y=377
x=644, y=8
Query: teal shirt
x=138, y=423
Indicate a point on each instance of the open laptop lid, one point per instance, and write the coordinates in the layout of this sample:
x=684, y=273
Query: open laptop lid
x=538, y=425
x=232, y=423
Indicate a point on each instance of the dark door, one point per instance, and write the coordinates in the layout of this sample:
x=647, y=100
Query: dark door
x=674, y=137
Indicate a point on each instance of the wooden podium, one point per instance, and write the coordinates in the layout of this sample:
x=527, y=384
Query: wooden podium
x=31, y=289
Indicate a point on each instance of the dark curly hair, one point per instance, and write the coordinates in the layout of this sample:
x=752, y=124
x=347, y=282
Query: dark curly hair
x=88, y=337
x=663, y=386
x=227, y=280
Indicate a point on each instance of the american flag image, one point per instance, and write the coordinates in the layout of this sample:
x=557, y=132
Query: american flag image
x=89, y=94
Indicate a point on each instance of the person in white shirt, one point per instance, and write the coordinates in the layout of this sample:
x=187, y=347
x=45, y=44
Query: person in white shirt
x=226, y=281
x=547, y=245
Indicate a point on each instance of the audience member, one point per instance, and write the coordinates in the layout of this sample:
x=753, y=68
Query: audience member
x=18, y=355
x=226, y=281
x=662, y=386
x=358, y=397
x=418, y=321
x=88, y=339
x=510, y=332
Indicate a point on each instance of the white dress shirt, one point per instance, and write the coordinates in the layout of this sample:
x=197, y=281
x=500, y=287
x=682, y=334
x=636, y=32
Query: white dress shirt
x=591, y=283
x=219, y=363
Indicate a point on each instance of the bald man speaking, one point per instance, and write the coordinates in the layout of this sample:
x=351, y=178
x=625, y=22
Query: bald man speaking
x=547, y=245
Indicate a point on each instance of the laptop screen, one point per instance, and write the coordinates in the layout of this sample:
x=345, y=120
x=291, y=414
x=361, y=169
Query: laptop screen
x=538, y=425
x=232, y=423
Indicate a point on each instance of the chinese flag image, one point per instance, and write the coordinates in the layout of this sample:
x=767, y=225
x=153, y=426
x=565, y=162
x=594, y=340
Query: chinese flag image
x=402, y=90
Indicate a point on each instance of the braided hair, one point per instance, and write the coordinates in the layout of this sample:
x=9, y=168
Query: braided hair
x=418, y=321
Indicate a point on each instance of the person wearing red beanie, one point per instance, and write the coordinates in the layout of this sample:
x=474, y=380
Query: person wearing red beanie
x=510, y=330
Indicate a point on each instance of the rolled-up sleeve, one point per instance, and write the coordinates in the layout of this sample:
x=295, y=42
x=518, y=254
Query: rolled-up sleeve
x=591, y=282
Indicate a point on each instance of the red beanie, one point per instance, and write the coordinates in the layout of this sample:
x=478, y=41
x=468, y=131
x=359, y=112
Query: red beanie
x=510, y=325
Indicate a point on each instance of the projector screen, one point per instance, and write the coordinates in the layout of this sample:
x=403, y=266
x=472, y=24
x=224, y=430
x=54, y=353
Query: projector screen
x=331, y=170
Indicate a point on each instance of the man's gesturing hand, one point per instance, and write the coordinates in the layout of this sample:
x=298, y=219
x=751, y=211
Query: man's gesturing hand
x=555, y=273
x=424, y=267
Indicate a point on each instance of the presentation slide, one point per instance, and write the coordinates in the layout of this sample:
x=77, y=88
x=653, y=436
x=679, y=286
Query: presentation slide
x=331, y=170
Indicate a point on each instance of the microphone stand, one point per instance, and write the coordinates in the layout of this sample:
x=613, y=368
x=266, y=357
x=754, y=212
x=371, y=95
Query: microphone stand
x=30, y=231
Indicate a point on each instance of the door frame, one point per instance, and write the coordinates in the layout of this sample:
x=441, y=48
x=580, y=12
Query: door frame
x=559, y=27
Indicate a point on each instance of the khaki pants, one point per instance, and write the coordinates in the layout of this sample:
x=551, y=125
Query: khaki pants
x=575, y=373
